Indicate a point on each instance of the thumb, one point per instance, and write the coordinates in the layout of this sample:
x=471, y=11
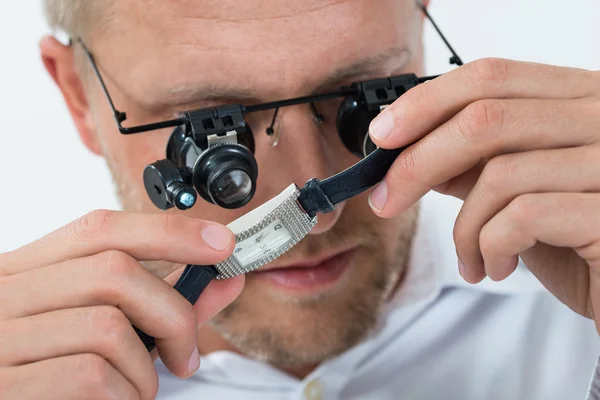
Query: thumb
x=217, y=295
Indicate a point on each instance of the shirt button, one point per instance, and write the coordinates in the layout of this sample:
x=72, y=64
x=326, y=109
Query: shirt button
x=313, y=390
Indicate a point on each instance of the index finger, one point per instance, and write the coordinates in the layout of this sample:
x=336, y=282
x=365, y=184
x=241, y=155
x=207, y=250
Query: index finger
x=428, y=105
x=146, y=237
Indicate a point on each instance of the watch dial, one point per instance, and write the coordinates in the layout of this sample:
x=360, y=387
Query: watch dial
x=262, y=244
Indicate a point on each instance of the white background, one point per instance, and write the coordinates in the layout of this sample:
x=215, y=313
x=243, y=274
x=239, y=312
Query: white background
x=48, y=178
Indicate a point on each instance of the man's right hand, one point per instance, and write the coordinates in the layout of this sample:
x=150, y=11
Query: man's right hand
x=68, y=302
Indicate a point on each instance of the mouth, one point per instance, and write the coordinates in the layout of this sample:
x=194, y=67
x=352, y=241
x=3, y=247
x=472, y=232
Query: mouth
x=310, y=275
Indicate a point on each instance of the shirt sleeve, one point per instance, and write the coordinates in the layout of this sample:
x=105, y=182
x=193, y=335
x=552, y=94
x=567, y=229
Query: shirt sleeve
x=594, y=391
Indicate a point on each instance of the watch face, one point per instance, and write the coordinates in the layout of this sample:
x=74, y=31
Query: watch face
x=263, y=243
x=266, y=233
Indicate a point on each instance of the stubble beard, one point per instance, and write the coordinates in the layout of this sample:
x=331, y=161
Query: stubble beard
x=298, y=332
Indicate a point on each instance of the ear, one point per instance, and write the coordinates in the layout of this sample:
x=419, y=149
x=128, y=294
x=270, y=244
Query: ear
x=59, y=61
x=426, y=3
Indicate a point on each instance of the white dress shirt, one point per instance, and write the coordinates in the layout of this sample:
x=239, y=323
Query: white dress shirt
x=440, y=338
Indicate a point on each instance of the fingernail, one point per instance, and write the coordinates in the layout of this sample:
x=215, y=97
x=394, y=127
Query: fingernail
x=382, y=125
x=378, y=197
x=194, y=363
x=217, y=236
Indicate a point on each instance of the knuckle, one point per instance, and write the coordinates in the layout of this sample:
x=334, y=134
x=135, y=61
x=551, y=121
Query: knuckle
x=523, y=208
x=590, y=252
x=168, y=225
x=110, y=325
x=488, y=72
x=113, y=270
x=480, y=118
x=94, y=375
x=118, y=263
x=497, y=174
x=408, y=164
x=184, y=321
x=92, y=225
x=418, y=95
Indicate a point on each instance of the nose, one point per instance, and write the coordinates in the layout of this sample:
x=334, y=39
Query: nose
x=301, y=153
x=327, y=221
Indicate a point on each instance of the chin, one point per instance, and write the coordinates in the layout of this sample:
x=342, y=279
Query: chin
x=297, y=320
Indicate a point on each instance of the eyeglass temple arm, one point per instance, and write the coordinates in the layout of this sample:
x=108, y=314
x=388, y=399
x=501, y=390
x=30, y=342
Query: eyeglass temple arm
x=455, y=59
x=121, y=116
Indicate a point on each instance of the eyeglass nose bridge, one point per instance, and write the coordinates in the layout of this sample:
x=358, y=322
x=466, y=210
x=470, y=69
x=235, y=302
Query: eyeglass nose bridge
x=274, y=130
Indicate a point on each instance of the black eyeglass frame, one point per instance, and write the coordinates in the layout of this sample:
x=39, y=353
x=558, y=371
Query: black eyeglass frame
x=344, y=91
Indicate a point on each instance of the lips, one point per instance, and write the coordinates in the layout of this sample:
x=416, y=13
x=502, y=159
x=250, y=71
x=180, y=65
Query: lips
x=309, y=275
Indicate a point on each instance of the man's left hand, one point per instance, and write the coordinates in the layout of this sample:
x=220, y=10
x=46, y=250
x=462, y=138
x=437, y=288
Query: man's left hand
x=520, y=144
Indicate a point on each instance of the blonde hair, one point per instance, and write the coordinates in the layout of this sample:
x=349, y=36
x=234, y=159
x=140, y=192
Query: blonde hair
x=73, y=17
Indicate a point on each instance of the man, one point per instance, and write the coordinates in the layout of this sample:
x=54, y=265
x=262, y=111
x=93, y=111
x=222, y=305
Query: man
x=370, y=304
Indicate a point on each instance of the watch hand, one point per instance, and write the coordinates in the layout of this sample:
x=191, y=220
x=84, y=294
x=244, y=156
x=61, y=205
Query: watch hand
x=257, y=240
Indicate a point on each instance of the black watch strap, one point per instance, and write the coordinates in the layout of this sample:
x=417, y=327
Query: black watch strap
x=322, y=196
x=191, y=284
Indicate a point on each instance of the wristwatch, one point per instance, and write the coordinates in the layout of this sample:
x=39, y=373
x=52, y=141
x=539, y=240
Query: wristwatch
x=273, y=228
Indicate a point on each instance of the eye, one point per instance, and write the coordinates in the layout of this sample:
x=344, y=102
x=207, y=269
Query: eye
x=328, y=110
x=259, y=121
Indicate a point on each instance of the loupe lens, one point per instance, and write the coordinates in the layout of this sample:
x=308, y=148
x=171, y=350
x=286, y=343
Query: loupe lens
x=226, y=175
x=232, y=188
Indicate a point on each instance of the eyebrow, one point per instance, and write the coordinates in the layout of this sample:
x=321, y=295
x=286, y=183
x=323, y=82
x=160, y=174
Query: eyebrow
x=186, y=94
x=364, y=66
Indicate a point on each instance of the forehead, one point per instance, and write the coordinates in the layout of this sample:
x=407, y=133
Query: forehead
x=273, y=46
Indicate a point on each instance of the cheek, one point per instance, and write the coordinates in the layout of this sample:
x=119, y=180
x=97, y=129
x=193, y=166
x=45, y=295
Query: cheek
x=391, y=236
x=127, y=157
x=131, y=154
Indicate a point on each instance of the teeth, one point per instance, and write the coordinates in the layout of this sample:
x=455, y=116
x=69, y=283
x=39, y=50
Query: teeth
x=295, y=219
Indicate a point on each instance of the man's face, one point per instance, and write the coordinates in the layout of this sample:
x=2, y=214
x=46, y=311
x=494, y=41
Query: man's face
x=160, y=58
